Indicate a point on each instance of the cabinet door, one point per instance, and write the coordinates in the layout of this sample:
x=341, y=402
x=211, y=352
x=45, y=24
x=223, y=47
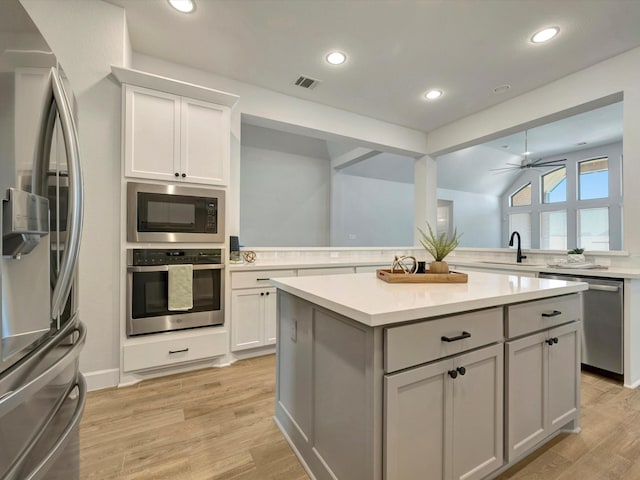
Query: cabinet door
x=417, y=424
x=247, y=322
x=564, y=379
x=478, y=398
x=526, y=393
x=151, y=134
x=205, y=137
x=269, y=315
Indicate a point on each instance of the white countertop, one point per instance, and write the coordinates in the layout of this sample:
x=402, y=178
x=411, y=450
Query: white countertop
x=606, y=272
x=373, y=302
x=301, y=263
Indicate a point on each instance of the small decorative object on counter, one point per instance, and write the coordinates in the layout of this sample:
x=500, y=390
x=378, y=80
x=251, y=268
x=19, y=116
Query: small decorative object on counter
x=576, y=256
x=249, y=256
x=401, y=265
x=438, y=246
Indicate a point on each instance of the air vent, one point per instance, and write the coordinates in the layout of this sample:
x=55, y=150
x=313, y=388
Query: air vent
x=306, y=82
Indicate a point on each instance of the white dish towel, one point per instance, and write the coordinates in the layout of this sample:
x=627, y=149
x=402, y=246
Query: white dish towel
x=180, y=287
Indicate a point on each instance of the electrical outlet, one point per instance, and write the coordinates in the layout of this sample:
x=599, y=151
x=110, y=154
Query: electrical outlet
x=294, y=331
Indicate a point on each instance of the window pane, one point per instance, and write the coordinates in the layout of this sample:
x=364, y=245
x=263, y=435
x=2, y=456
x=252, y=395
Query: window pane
x=553, y=230
x=593, y=228
x=522, y=197
x=521, y=222
x=594, y=178
x=554, y=186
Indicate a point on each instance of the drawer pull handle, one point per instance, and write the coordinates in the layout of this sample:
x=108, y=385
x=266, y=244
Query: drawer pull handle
x=555, y=313
x=454, y=339
x=453, y=373
x=263, y=279
x=461, y=370
x=178, y=351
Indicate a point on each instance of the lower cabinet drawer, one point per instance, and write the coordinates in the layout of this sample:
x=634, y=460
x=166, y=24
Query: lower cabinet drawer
x=416, y=343
x=257, y=278
x=530, y=317
x=170, y=351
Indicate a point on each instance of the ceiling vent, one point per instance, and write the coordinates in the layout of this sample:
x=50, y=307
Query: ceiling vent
x=306, y=82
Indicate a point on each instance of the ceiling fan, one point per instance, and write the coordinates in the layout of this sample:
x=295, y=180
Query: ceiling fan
x=526, y=163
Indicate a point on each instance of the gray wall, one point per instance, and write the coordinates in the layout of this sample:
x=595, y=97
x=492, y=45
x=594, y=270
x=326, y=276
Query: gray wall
x=371, y=212
x=284, y=189
x=476, y=216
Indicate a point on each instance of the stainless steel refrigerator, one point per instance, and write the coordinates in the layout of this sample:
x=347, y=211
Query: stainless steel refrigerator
x=42, y=393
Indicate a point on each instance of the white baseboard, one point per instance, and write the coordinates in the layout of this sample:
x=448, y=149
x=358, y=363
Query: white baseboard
x=635, y=384
x=257, y=352
x=102, y=379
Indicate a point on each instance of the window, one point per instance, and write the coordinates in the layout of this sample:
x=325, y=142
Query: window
x=593, y=228
x=522, y=197
x=594, y=178
x=554, y=186
x=522, y=223
x=553, y=230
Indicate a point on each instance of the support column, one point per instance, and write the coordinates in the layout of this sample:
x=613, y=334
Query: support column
x=425, y=197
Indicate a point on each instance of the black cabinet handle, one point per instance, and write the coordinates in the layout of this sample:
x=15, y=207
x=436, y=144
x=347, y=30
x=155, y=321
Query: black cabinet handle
x=262, y=279
x=267, y=293
x=184, y=175
x=262, y=294
x=177, y=174
x=453, y=373
x=555, y=339
x=549, y=341
x=454, y=339
x=555, y=313
x=178, y=351
x=461, y=370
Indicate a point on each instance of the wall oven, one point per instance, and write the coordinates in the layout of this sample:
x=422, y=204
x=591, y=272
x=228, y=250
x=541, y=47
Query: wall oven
x=148, y=290
x=172, y=213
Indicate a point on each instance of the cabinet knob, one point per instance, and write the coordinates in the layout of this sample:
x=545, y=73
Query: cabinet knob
x=453, y=373
x=262, y=294
x=177, y=174
x=267, y=294
x=555, y=339
x=461, y=370
x=184, y=175
x=549, y=341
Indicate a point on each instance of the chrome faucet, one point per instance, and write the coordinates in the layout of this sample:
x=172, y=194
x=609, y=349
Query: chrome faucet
x=519, y=255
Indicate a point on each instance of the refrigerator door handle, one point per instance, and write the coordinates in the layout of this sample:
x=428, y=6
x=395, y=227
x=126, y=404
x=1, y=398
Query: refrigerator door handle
x=52, y=454
x=17, y=396
x=56, y=101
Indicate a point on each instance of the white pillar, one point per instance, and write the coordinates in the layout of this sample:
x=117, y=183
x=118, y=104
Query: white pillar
x=425, y=194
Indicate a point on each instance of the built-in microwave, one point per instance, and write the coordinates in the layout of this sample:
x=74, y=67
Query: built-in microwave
x=171, y=213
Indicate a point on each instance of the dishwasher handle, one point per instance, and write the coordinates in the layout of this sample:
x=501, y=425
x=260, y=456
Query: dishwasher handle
x=604, y=288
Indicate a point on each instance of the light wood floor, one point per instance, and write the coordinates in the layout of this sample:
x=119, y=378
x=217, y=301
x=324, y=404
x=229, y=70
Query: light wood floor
x=216, y=424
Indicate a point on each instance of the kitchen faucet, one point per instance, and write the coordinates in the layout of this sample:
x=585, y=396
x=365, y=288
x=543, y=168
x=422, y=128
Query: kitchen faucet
x=519, y=255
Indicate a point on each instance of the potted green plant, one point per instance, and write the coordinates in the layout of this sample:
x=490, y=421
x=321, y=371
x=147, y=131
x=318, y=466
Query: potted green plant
x=576, y=256
x=438, y=246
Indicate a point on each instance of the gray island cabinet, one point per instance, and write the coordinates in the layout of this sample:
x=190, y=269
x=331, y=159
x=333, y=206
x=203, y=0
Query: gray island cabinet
x=379, y=381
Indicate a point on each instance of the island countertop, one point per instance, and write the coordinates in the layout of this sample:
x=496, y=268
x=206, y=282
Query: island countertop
x=374, y=302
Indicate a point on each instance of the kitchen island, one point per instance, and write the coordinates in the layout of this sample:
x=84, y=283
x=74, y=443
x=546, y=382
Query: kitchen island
x=424, y=381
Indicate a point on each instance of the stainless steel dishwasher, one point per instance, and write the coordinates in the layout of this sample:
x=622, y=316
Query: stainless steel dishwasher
x=602, y=323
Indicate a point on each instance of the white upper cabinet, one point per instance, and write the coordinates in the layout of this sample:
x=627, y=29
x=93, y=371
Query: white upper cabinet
x=174, y=138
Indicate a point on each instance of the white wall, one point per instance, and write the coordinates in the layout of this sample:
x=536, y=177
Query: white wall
x=284, y=189
x=384, y=219
x=88, y=36
x=476, y=216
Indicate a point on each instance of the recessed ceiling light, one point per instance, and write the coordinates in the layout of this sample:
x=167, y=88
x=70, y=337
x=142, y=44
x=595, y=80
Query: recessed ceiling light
x=502, y=88
x=184, y=6
x=433, y=94
x=336, y=58
x=546, y=34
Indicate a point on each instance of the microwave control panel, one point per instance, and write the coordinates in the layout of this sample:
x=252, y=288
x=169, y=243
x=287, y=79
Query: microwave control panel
x=153, y=256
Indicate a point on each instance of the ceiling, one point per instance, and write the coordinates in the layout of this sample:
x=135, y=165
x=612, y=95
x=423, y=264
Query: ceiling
x=470, y=169
x=397, y=49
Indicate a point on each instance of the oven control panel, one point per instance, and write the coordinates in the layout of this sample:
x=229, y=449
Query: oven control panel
x=154, y=256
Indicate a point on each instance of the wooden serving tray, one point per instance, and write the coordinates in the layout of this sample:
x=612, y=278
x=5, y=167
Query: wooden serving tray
x=398, y=276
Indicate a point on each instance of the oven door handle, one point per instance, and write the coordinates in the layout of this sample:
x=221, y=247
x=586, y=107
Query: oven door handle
x=165, y=268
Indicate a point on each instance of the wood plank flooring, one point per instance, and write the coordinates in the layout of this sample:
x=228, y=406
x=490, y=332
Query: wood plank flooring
x=217, y=424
